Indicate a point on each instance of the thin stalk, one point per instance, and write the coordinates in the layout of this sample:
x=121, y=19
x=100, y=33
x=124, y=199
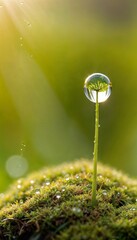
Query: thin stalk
x=95, y=158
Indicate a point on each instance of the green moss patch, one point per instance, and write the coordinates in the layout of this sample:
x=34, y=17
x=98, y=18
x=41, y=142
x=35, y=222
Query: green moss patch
x=55, y=204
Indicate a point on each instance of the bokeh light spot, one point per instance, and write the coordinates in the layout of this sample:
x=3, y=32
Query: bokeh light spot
x=16, y=166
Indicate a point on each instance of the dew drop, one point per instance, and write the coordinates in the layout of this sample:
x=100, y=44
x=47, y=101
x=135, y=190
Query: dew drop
x=118, y=194
x=21, y=201
x=133, y=209
x=47, y=183
x=37, y=191
x=104, y=193
x=63, y=190
x=58, y=196
x=32, y=182
x=100, y=176
x=19, y=181
x=76, y=210
x=19, y=186
x=100, y=83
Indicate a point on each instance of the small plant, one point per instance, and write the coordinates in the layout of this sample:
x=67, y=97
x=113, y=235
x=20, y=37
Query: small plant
x=97, y=88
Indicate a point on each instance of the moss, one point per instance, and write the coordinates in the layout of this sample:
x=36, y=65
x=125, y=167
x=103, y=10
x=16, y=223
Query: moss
x=55, y=204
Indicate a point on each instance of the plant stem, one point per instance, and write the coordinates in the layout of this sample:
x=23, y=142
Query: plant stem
x=95, y=158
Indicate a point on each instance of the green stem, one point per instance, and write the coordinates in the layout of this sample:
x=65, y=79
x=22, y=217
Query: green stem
x=95, y=158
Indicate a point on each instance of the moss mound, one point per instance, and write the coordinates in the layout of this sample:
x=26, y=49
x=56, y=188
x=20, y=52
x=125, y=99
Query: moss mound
x=55, y=204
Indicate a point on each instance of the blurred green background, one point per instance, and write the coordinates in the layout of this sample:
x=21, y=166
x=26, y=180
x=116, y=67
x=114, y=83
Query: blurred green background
x=47, y=49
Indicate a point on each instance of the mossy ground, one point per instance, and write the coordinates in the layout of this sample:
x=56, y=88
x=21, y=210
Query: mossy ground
x=55, y=204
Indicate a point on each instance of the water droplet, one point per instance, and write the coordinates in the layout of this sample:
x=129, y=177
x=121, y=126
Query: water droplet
x=19, y=186
x=67, y=178
x=100, y=83
x=37, y=191
x=133, y=209
x=100, y=176
x=58, y=196
x=32, y=181
x=63, y=190
x=21, y=201
x=104, y=192
x=47, y=183
x=19, y=181
x=76, y=210
x=118, y=194
x=77, y=176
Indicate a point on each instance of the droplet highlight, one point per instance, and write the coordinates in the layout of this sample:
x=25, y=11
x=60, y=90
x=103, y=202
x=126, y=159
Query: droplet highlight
x=37, y=191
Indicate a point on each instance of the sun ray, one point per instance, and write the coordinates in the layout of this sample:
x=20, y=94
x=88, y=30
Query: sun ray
x=52, y=132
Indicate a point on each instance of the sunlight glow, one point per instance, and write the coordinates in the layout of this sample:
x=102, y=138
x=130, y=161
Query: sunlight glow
x=37, y=104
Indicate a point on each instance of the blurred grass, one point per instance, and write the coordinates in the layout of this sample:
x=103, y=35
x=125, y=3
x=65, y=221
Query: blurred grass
x=48, y=48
